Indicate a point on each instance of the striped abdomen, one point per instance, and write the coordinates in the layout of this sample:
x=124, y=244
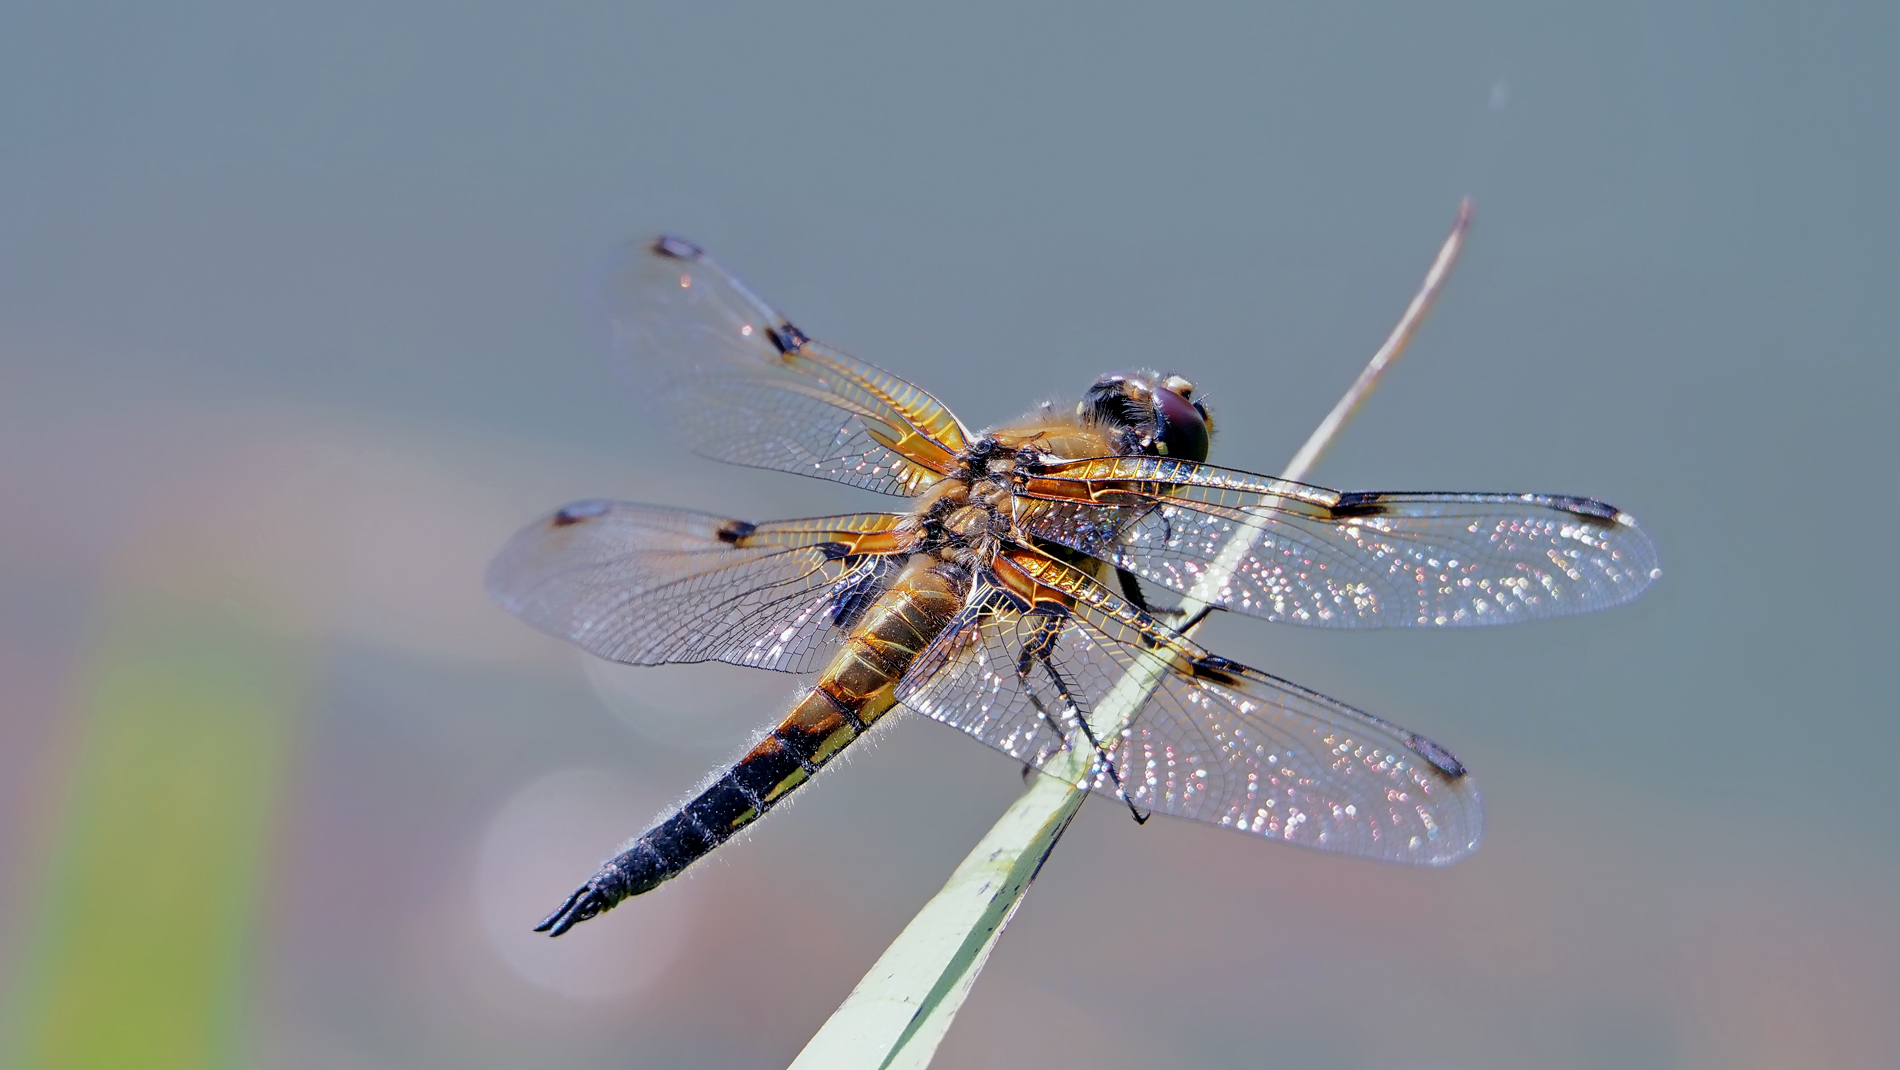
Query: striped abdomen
x=856, y=689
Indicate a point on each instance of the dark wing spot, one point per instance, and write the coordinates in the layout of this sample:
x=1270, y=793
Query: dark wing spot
x=1216, y=669
x=787, y=338
x=1359, y=503
x=734, y=530
x=1446, y=761
x=1589, y=507
x=582, y=510
x=833, y=551
x=677, y=248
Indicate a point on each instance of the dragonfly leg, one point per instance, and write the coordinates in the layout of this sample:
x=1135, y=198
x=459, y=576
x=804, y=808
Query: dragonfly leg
x=1177, y=619
x=1190, y=621
x=1131, y=589
x=1038, y=651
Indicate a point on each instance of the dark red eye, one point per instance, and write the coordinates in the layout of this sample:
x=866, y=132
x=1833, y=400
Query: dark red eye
x=1183, y=430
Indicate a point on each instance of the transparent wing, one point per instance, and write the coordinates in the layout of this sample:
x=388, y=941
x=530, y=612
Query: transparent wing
x=737, y=382
x=1345, y=560
x=1216, y=741
x=651, y=585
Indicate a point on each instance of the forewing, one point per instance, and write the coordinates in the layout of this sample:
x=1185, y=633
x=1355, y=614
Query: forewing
x=737, y=382
x=1216, y=741
x=651, y=585
x=1345, y=560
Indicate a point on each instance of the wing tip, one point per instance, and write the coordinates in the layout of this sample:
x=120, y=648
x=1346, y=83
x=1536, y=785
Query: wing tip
x=508, y=579
x=1639, y=550
x=1452, y=858
x=1593, y=509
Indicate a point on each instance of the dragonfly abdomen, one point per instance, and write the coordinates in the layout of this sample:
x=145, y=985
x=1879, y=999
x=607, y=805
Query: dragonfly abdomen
x=854, y=691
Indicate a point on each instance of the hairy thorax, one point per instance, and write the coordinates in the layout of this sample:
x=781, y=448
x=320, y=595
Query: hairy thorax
x=967, y=517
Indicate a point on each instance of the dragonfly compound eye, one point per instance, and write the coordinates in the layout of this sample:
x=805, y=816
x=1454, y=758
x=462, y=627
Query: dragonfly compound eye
x=1184, y=429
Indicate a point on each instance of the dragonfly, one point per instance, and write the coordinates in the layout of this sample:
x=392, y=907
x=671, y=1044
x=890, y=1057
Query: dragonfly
x=1008, y=597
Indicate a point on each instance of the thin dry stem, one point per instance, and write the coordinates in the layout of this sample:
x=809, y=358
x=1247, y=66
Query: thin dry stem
x=1388, y=353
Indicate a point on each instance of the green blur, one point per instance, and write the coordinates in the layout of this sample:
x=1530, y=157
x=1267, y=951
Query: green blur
x=144, y=949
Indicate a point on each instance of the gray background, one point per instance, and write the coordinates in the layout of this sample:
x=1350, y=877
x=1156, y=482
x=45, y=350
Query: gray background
x=300, y=287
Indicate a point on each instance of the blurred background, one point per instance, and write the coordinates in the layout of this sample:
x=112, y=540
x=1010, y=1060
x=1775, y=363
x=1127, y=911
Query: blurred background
x=292, y=339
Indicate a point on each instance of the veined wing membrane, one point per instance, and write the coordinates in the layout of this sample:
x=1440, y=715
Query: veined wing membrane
x=1216, y=741
x=737, y=382
x=1345, y=560
x=652, y=585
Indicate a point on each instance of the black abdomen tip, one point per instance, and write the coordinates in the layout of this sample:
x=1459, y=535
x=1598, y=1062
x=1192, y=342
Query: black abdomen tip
x=637, y=869
x=583, y=904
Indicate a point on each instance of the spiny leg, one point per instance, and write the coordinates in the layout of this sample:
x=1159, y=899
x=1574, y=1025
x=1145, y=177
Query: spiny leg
x=1131, y=589
x=1081, y=719
x=1188, y=622
x=1039, y=650
x=1177, y=619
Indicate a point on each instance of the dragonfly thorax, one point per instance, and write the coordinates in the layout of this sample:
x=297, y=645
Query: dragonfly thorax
x=968, y=517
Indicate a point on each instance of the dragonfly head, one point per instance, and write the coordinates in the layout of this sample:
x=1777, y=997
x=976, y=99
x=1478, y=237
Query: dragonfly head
x=1156, y=413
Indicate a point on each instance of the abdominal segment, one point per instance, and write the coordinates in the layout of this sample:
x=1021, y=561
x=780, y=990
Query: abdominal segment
x=856, y=689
